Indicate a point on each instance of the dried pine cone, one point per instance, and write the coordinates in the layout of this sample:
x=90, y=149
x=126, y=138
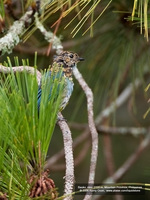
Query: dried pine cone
x=42, y=185
x=3, y=196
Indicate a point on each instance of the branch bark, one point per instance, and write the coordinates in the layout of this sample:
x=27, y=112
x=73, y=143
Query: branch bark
x=69, y=176
x=12, y=38
x=28, y=69
x=94, y=134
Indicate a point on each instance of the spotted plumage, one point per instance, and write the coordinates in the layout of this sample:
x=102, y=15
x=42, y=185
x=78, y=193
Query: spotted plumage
x=64, y=62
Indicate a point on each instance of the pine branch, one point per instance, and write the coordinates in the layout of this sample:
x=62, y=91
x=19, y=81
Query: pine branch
x=36, y=129
x=12, y=38
x=28, y=69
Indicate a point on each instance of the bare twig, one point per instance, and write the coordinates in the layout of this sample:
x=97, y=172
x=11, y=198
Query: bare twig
x=118, y=102
x=28, y=69
x=133, y=131
x=92, y=127
x=69, y=176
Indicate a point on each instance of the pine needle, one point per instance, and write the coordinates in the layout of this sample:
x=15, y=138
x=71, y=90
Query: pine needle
x=98, y=17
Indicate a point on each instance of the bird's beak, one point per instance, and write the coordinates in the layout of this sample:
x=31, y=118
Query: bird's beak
x=81, y=59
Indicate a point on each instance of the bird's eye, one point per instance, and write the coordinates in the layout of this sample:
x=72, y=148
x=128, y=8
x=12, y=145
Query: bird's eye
x=60, y=60
x=71, y=55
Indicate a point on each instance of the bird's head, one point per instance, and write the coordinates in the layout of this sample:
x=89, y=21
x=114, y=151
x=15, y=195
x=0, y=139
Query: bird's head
x=68, y=59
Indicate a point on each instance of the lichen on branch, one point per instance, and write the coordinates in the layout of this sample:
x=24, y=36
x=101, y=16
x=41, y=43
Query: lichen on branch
x=12, y=38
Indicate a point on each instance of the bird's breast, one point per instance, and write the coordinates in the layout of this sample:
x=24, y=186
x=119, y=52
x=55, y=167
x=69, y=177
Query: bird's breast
x=68, y=88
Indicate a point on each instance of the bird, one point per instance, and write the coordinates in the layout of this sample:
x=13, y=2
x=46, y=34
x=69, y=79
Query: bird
x=62, y=65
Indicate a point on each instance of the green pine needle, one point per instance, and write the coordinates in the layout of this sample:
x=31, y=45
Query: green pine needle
x=25, y=136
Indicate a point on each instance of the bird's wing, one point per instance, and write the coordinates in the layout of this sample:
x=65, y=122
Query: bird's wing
x=53, y=77
x=39, y=96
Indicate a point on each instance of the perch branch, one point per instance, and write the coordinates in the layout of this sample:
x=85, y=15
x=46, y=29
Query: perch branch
x=92, y=127
x=28, y=69
x=69, y=177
